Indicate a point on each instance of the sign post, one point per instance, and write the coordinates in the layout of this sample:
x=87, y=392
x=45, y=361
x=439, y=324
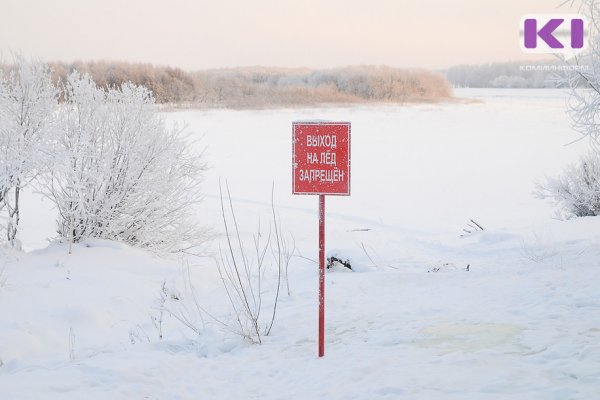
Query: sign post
x=321, y=275
x=321, y=166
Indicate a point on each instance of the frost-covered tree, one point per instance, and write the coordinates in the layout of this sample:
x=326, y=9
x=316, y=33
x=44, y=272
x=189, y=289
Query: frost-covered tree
x=28, y=101
x=583, y=79
x=120, y=172
x=577, y=190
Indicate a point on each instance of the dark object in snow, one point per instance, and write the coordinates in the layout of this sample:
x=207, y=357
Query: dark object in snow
x=447, y=267
x=472, y=226
x=331, y=261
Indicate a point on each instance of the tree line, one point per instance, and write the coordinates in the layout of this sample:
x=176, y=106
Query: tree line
x=256, y=87
x=539, y=74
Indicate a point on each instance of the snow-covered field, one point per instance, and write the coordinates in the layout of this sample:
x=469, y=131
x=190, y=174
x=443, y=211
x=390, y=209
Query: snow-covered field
x=522, y=323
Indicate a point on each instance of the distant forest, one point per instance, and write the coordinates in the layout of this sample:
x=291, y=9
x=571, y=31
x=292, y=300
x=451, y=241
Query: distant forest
x=257, y=87
x=505, y=75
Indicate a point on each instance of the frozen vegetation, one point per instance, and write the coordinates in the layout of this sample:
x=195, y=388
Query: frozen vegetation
x=260, y=87
x=507, y=75
x=105, y=158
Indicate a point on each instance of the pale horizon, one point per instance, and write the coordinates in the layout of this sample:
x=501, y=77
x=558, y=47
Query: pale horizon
x=195, y=35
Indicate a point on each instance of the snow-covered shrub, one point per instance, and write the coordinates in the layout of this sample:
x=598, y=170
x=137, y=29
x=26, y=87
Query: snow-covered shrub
x=577, y=191
x=120, y=172
x=28, y=101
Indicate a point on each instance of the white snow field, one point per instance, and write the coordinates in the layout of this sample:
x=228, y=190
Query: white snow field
x=522, y=323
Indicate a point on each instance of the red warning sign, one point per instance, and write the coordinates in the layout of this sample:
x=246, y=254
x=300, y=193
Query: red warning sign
x=321, y=158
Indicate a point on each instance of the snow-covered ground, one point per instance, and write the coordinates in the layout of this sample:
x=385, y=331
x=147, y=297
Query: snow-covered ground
x=522, y=323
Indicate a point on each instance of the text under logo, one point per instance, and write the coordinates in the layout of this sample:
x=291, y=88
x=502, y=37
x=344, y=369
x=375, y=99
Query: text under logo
x=564, y=34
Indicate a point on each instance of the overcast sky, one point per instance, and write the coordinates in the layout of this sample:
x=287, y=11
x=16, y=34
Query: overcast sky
x=197, y=34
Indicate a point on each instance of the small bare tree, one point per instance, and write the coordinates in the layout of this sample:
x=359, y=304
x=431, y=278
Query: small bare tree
x=243, y=271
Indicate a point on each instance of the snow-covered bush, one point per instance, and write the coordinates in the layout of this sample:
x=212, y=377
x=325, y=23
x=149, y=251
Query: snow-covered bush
x=577, y=191
x=28, y=102
x=120, y=172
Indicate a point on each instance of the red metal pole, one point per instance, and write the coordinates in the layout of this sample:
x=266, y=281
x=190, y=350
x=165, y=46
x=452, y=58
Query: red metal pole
x=321, y=275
